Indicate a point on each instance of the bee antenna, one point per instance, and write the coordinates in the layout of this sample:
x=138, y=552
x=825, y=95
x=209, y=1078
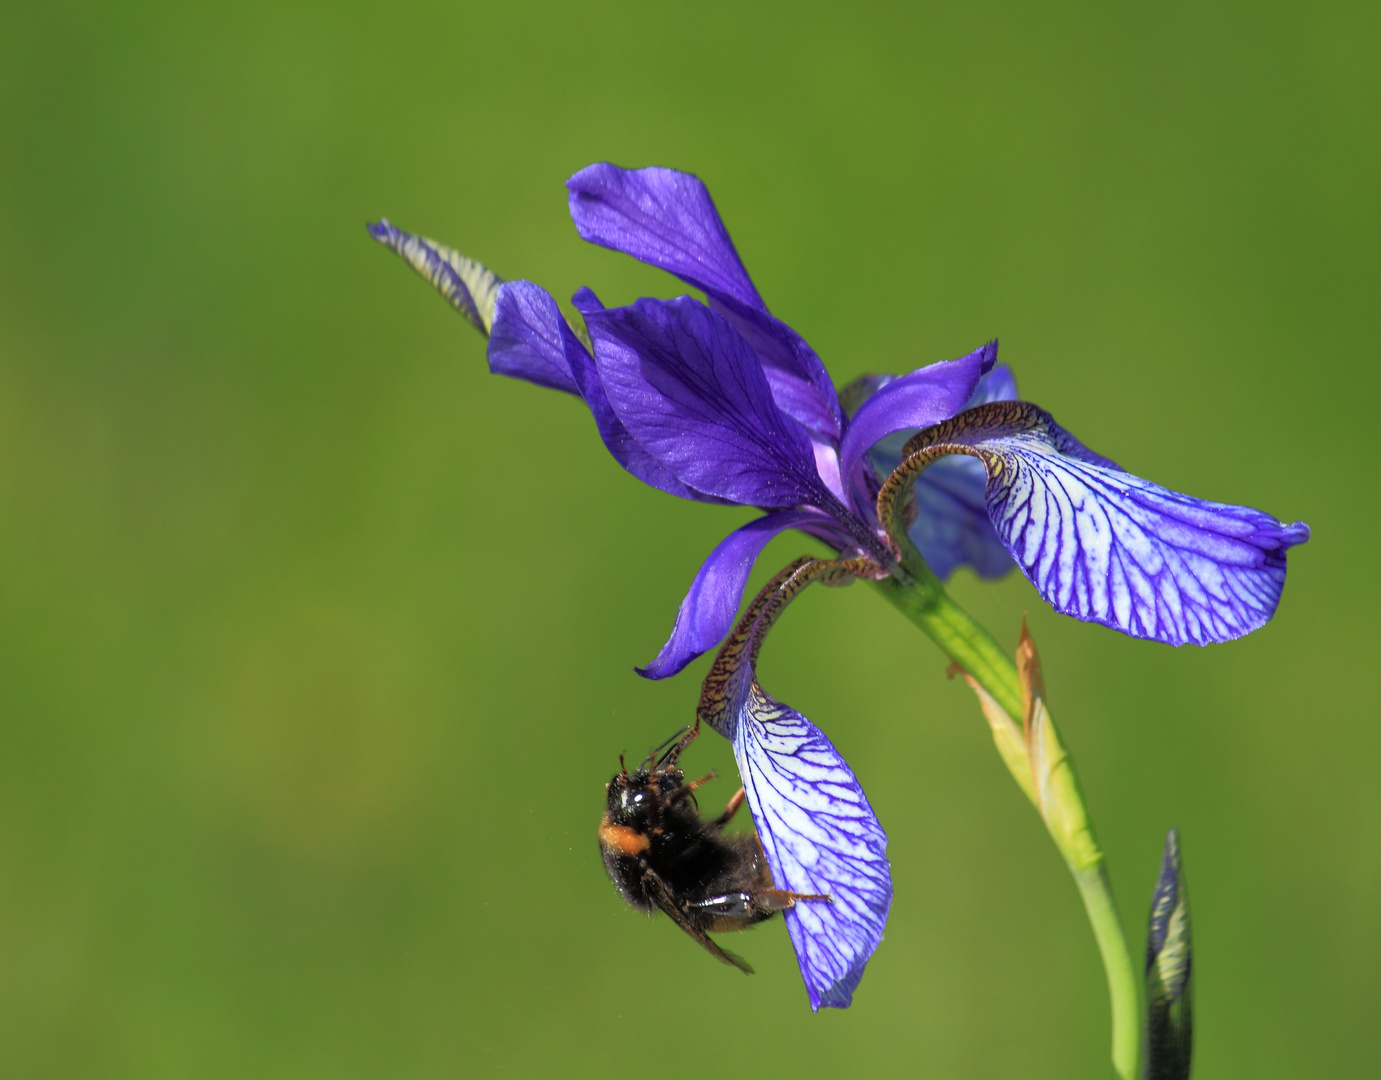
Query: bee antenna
x=623, y=769
x=679, y=742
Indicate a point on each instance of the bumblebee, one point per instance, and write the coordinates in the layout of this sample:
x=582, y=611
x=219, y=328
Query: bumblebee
x=660, y=853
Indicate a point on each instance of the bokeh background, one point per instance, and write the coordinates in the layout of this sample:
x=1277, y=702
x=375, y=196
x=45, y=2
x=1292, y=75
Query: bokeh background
x=316, y=641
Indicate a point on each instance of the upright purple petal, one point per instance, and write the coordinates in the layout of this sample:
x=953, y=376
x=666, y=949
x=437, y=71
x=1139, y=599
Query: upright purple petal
x=531, y=340
x=952, y=527
x=693, y=394
x=917, y=400
x=662, y=217
x=1109, y=547
x=800, y=384
x=710, y=607
x=469, y=286
x=667, y=219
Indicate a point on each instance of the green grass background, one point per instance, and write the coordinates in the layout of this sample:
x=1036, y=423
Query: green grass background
x=316, y=640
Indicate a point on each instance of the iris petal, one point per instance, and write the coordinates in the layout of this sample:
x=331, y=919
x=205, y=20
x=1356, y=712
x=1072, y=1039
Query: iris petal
x=661, y=217
x=532, y=341
x=916, y=400
x=952, y=528
x=525, y=341
x=818, y=831
x=711, y=605
x=692, y=392
x=470, y=287
x=667, y=219
x=1108, y=547
x=820, y=836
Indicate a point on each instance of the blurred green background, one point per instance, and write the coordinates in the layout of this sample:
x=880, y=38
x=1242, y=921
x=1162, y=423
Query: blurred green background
x=316, y=640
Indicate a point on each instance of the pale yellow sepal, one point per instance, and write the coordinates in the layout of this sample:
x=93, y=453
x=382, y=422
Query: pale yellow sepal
x=1011, y=746
x=1038, y=761
x=1058, y=797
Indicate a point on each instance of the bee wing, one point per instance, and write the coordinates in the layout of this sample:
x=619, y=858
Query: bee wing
x=664, y=899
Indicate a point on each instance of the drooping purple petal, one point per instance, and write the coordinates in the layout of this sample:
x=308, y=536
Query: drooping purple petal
x=710, y=607
x=917, y=400
x=531, y=340
x=820, y=836
x=470, y=287
x=1109, y=547
x=525, y=341
x=693, y=394
x=667, y=219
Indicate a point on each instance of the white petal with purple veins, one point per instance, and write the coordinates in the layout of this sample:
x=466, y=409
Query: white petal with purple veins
x=820, y=836
x=1109, y=547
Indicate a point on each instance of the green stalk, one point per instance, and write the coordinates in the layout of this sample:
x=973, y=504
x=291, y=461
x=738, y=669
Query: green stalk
x=1124, y=984
x=924, y=601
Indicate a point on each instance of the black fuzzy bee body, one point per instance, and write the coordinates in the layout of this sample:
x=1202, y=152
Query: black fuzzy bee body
x=662, y=855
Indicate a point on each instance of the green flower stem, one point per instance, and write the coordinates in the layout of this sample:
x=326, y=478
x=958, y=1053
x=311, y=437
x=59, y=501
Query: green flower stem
x=1124, y=984
x=924, y=601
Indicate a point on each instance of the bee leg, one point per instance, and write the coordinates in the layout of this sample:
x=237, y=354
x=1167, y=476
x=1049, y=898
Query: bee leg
x=735, y=905
x=680, y=914
x=731, y=809
x=780, y=899
x=689, y=789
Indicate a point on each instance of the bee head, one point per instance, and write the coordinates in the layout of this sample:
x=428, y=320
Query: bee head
x=638, y=798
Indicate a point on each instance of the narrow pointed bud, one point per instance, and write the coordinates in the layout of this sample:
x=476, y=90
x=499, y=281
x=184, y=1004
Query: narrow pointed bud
x=1031, y=675
x=1037, y=759
x=1169, y=973
x=1010, y=742
x=1057, y=792
x=470, y=287
x=1058, y=795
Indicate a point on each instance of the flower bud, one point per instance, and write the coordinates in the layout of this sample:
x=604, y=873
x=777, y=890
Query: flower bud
x=1169, y=973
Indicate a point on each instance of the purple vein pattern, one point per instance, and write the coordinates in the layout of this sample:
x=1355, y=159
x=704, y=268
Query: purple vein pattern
x=1108, y=547
x=820, y=836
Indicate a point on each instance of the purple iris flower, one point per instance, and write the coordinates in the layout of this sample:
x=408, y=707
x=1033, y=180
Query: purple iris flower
x=720, y=401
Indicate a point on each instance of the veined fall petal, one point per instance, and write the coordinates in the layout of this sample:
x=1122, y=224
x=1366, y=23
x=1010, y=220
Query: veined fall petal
x=818, y=831
x=1108, y=547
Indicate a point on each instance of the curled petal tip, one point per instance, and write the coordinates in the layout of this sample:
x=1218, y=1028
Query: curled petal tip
x=1298, y=533
x=989, y=356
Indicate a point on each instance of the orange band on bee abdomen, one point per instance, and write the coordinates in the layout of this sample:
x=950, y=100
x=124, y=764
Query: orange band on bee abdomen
x=622, y=839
